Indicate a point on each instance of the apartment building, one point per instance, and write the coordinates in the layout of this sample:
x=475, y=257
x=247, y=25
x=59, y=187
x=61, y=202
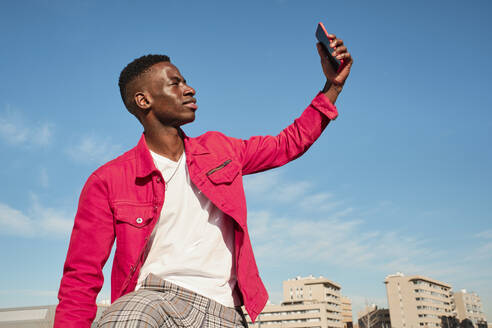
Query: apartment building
x=467, y=305
x=307, y=303
x=347, y=319
x=373, y=317
x=417, y=301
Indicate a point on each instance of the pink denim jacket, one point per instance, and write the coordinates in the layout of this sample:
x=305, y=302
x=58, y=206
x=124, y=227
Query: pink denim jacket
x=123, y=200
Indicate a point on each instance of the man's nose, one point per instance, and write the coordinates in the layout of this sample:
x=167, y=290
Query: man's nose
x=189, y=90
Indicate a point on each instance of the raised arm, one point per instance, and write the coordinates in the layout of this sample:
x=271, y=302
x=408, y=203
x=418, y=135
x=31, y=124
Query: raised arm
x=264, y=152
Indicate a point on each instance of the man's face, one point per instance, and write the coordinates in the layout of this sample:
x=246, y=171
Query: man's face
x=172, y=101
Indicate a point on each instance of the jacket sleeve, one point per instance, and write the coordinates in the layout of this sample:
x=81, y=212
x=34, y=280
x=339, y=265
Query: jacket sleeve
x=90, y=246
x=265, y=152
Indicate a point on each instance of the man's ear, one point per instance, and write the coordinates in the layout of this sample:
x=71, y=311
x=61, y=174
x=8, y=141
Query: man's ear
x=143, y=100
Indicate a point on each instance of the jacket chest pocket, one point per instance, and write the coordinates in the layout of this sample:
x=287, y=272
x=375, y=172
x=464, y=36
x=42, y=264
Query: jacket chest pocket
x=128, y=216
x=224, y=172
x=132, y=226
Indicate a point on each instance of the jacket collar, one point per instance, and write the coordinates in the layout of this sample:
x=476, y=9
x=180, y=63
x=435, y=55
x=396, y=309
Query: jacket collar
x=145, y=164
x=193, y=147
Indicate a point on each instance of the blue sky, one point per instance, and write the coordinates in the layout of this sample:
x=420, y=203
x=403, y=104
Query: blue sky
x=400, y=182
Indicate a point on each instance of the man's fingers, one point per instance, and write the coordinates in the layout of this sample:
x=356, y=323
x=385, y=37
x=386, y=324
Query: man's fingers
x=341, y=53
x=346, y=57
x=336, y=43
x=339, y=50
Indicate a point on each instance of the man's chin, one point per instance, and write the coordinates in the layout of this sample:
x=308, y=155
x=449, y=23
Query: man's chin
x=189, y=120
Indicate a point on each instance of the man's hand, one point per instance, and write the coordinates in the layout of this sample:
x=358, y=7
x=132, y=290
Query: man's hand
x=335, y=80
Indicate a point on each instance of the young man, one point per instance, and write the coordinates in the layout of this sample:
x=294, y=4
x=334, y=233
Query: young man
x=176, y=207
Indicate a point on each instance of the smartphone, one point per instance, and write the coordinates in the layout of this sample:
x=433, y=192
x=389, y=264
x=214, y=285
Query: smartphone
x=322, y=37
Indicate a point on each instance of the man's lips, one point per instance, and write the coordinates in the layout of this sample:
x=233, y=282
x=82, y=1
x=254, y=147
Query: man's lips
x=191, y=104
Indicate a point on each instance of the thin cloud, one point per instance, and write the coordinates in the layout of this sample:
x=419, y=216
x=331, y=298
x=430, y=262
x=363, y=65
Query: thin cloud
x=93, y=149
x=321, y=228
x=14, y=222
x=320, y=202
x=272, y=187
x=262, y=182
x=332, y=239
x=486, y=234
x=485, y=250
x=43, y=134
x=54, y=221
x=15, y=130
x=337, y=233
x=291, y=191
x=44, y=179
x=280, y=240
x=483, y=253
x=38, y=221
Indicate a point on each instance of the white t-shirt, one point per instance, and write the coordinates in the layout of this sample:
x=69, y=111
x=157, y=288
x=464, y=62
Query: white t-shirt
x=192, y=244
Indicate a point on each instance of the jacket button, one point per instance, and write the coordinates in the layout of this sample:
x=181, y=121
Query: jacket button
x=158, y=179
x=139, y=220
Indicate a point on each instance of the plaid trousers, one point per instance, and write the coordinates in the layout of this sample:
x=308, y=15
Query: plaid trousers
x=161, y=304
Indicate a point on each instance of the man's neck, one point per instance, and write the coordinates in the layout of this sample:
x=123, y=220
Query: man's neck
x=166, y=141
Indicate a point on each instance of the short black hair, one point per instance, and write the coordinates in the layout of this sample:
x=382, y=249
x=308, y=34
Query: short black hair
x=135, y=69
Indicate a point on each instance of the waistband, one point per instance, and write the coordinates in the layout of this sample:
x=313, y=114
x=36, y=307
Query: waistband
x=231, y=314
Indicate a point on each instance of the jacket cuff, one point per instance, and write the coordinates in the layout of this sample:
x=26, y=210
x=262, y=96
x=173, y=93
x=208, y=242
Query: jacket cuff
x=324, y=105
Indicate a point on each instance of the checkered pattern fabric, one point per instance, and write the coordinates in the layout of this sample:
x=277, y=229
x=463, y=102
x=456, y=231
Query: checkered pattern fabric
x=161, y=304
